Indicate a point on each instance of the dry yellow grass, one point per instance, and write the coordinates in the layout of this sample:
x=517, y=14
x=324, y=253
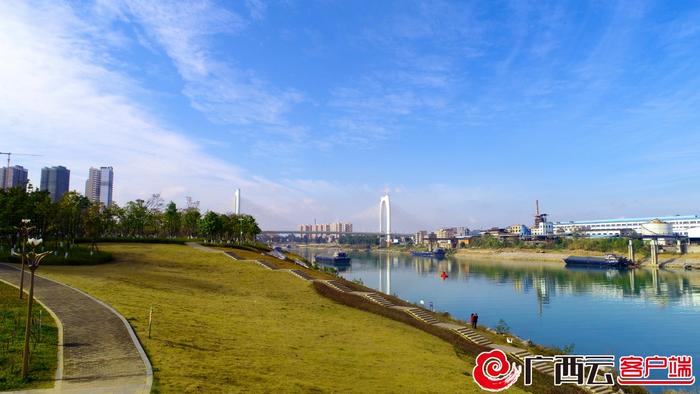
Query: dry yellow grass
x=224, y=326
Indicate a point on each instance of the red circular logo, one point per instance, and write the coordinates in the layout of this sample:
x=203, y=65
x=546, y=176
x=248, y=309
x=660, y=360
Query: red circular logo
x=492, y=371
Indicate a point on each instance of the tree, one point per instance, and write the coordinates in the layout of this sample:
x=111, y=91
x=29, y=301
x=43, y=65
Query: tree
x=94, y=225
x=171, y=219
x=190, y=221
x=133, y=218
x=210, y=225
x=71, y=209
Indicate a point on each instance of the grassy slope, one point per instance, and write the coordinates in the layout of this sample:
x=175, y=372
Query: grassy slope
x=42, y=363
x=221, y=325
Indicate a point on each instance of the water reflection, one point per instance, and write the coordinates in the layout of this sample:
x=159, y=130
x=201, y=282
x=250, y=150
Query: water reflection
x=600, y=311
x=547, y=279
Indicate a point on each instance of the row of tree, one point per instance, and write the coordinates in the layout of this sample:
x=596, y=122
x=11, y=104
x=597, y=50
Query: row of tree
x=75, y=217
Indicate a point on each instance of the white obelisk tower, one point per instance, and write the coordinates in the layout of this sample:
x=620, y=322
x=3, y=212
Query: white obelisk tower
x=237, y=202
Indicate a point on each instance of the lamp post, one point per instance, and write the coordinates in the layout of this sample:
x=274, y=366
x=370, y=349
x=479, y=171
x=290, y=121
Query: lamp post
x=33, y=261
x=23, y=233
x=240, y=227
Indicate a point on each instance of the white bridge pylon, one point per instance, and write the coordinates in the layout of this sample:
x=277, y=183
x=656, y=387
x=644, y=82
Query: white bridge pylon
x=384, y=202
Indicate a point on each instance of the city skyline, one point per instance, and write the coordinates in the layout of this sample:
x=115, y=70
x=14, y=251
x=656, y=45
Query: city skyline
x=464, y=112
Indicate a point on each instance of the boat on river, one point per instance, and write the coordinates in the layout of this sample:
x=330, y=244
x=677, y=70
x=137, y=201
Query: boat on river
x=437, y=253
x=609, y=260
x=338, y=258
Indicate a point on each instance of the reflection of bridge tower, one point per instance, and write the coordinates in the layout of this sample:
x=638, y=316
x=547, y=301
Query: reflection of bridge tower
x=382, y=203
x=385, y=273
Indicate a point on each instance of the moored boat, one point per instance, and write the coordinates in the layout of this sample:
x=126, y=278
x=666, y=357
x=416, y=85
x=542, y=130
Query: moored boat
x=609, y=260
x=337, y=258
x=437, y=253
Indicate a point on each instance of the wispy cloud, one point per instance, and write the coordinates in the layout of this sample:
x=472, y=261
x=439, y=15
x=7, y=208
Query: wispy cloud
x=60, y=98
x=226, y=94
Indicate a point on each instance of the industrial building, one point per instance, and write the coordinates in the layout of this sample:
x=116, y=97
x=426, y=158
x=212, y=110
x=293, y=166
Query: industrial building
x=519, y=229
x=656, y=225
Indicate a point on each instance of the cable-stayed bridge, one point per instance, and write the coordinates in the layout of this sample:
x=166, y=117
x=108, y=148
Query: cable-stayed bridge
x=385, y=230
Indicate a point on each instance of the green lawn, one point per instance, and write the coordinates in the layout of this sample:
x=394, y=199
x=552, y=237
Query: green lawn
x=225, y=325
x=42, y=363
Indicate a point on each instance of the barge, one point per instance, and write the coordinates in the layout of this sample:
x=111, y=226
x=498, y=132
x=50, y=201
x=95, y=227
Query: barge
x=338, y=258
x=609, y=260
x=437, y=253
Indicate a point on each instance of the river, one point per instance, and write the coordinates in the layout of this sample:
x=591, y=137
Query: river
x=621, y=312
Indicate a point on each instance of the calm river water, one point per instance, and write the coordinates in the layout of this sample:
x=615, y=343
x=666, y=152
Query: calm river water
x=620, y=312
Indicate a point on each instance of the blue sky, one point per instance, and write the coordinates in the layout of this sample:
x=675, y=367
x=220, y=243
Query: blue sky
x=465, y=112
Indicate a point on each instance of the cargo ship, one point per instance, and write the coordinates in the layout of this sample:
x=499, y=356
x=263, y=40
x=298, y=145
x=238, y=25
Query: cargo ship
x=339, y=258
x=437, y=253
x=609, y=260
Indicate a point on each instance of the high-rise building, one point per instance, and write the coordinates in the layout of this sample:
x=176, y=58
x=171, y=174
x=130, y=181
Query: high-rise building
x=55, y=180
x=92, y=185
x=337, y=227
x=99, y=185
x=15, y=176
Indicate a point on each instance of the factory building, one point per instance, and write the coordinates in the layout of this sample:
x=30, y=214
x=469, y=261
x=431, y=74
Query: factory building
x=659, y=225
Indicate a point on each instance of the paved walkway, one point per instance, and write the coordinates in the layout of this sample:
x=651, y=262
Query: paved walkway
x=100, y=353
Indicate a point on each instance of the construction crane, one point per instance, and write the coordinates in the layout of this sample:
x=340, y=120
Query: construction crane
x=8, y=170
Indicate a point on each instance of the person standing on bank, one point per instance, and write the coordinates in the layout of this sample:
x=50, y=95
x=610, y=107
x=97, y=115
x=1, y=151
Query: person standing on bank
x=472, y=321
x=475, y=321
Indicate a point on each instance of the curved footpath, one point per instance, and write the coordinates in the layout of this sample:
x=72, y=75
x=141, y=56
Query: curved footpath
x=98, y=350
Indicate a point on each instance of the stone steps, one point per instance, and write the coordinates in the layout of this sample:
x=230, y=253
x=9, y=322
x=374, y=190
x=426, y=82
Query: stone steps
x=338, y=286
x=422, y=315
x=547, y=368
x=473, y=336
x=301, y=274
x=378, y=299
x=233, y=256
x=267, y=265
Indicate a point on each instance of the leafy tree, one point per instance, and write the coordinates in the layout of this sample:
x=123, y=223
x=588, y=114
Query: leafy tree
x=210, y=226
x=190, y=221
x=172, y=219
x=95, y=223
x=70, y=213
x=133, y=218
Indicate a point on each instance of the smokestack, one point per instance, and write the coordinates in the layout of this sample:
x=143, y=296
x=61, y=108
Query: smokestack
x=537, y=207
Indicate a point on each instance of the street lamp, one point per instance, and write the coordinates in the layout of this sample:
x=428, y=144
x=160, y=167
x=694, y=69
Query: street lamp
x=23, y=233
x=33, y=261
x=240, y=227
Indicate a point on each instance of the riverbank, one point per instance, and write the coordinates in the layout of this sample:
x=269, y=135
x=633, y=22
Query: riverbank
x=666, y=260
x=518, y=254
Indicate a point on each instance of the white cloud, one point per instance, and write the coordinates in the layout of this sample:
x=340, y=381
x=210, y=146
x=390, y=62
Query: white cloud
x=60, y=99
x=218, y=89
